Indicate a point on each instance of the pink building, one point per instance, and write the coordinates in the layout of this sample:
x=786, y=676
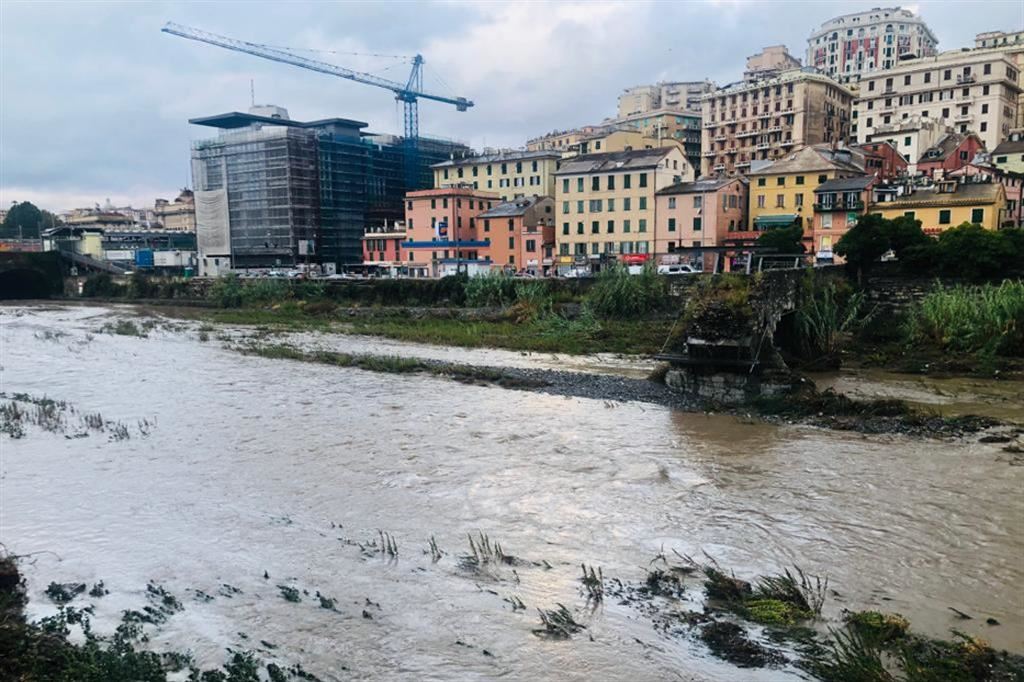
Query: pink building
x=442, y=230
x=838, y=205
x=950, y=153
x=382, y=245
x=697, y=214
x=521, y=233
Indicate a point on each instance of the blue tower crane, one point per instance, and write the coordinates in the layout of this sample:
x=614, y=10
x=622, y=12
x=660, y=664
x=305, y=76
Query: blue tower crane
x=408, y=93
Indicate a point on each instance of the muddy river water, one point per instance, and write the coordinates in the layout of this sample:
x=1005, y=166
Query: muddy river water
x=269, y=466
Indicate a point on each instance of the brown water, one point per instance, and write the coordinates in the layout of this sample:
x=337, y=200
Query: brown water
x=252, y=461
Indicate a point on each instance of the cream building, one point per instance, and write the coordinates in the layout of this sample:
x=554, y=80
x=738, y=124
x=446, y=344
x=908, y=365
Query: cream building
x=604, y=203
x=511, y=174
x=178, y=215
x=770, y=62
x=911, y=137
x=560, y=140
x=971, y=90
x=766, y=119
x=642, y=99
x=1012, y=44
x=853, y=46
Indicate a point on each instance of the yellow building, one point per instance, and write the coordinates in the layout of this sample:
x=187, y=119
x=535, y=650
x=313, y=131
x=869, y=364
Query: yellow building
x=618, y=141
x=782, y=192
x=1009, y=155
x=945, y=205
x=561, y=140
x=604, y=204
x=512, y=174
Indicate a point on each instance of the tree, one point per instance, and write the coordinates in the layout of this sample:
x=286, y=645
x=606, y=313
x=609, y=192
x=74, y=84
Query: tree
x=25, y=221
x=904, y=233
x=864, y=243
x=783, y=239
x=973, y=252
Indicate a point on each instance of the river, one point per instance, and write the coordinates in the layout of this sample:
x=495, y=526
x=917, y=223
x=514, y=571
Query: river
x=269, y=466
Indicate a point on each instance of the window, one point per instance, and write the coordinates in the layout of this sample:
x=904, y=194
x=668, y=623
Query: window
x=611, y=204
x=595, y=227
x=563, y=249
x=799, y=200
x=822, y=178
x=565, y=185
x=626, y=181
x=906, y=79
x=444, y=202
x=579, y=184
x=595, y=205
x=643, y=180
x=595, y=183
x=944, y=217
x=947, y=74
x=409, y=205
x=643, y=203
x=511, y=242
x=984, y=108
x=504, y=168
x=780, y=201
x=433, y=203
x=642, y=225
x=977, y=216
x=984, y=126
x=565, y=207
x=826, y=221
x=487, y=225
x=987, y=69
x=579, y=228
x=696, y=224
x=761, y=182
x=697, y=200
x=511, y=224
x=760, y=201
x=565, y=228
x=611, y=227
x=799, y=179
x=625, y=226
x=611, y=182
x=579, y=206
x=928, y=77
x=671, y=224
x=671, y=202
x=627, y=203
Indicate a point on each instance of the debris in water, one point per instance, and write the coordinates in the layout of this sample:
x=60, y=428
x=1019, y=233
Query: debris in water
x=558, y=623
x=729, y=642
x=62, y=593
x=289, y=593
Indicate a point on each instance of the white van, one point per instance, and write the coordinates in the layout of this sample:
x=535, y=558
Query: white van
x=677, y=269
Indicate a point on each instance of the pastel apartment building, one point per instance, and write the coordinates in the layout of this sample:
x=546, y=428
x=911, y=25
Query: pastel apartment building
x=697, y=214
x=768, y=119
x=605, y=203
x=442, y=231
x=945, y=204
x=968, y=90
x=510, y=174
x=521, y=233
x=382, y=246
x=852, y=46
x=1009, y=155
x=838, y=205
x=953, y=151
x=783, y=192
x=911, y=137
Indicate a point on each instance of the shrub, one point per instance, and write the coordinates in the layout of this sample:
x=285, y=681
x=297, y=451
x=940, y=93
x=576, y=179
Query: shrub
x=495, y=289
x=264, y=291
x=616, y=293
x=783, y=239
x=226, y=292
x=101, y=285
x=972, y=252
x=824, y=317
x=987, y=319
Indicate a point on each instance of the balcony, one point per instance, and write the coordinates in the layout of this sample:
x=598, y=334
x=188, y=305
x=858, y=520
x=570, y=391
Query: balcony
x=965, y=79
x=719, y=167
x=742, y=164
x=710, y=152
x=763, y=145
x=787, y=143
x=963, y=118
x=720, y=138
x=747, y=133
x=839, y=206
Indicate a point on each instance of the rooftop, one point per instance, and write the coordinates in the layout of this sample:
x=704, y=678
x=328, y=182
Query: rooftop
x=237, y=119
x=846, y=184
x=500, y=157
x=807, y=73
x=966, y=193
x=1009, y=147
x=615, y=161
x=816, y=158
x=946, y=145
x=701, y=186
x=508, y=209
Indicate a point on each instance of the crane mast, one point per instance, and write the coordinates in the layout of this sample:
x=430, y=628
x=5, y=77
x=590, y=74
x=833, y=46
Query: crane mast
x=408, y=93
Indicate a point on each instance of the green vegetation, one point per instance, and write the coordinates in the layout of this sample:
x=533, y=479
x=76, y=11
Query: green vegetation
x=826, y=316
x=785, y=240
x=25, y=221
x=988, y=319
x=618, y=294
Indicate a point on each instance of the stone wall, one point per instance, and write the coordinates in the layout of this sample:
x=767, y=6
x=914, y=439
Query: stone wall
x=728, y=388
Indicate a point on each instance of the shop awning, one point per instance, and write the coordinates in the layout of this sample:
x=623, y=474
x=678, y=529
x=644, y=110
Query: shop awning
x=781, y=220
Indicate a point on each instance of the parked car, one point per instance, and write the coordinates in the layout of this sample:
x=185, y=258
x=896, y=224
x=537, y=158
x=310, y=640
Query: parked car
x=677, y=269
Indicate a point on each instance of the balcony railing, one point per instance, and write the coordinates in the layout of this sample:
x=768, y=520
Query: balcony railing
x=963, y=118
x=963, y=79
x=840, y=206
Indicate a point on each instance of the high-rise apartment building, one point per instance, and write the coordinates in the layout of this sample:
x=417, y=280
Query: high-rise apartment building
x=770, y=62
x=641, y=99
x=969, y=90
x=763, y=120
x=674, y=124
x=604, y=203
x=271, y=191
x=511, y=174
x=853, y=46
x=1012, y=44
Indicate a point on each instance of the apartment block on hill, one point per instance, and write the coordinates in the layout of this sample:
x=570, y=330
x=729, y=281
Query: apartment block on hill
x=945, y=204
x=971, y=91
x=698, y=214
x=767, y=119
x=683, y=95
x=521, y=233
x=852, y=46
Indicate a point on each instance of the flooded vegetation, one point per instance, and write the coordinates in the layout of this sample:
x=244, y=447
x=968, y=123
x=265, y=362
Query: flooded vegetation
x=290, y=519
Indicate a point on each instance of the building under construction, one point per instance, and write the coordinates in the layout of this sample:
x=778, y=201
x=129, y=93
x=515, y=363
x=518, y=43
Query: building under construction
x=273, y=192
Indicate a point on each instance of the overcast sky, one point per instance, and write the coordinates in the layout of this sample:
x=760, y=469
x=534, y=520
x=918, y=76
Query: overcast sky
x=95, y=101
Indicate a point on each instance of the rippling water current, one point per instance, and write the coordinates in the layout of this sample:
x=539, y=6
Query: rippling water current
x=262, y=465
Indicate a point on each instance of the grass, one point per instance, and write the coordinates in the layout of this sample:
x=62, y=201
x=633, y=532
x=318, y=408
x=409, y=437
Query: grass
x=987, y=319
x=618, y=294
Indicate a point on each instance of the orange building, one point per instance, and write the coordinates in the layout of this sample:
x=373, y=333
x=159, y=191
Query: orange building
x=443, y=235
x=521, y=233
x=382, y=246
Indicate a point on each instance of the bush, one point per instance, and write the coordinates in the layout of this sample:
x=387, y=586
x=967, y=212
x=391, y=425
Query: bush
x=101, y=285
x=226, y=292
x=987, y=319
x=972, y=252
x=616, y=293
